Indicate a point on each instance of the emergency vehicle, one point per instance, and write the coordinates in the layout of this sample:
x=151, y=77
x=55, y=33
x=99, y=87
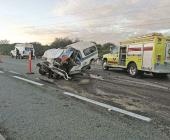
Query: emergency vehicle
x=149, y=53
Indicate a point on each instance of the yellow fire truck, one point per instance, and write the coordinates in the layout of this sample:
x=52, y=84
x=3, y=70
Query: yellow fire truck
x=149, y=53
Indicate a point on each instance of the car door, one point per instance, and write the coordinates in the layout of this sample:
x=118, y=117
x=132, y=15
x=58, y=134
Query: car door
x=90, y=54
x=168, y=52
x=113, y=58
x=80, y=63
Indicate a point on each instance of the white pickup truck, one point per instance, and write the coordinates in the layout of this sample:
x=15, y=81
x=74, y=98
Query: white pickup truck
x=23, y=50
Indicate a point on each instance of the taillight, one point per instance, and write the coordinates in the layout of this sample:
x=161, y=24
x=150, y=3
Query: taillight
x=158, y=58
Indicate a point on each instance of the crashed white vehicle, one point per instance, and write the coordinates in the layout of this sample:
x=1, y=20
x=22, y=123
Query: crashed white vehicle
x=72, y=59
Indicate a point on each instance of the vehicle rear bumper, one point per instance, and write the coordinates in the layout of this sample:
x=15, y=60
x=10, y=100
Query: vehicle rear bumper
x=26, y=56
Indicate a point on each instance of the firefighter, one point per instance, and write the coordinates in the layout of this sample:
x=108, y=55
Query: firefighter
x=31, y=54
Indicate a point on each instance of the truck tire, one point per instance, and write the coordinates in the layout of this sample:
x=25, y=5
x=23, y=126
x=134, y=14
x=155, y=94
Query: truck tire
x=104, y=65
x=132, y=70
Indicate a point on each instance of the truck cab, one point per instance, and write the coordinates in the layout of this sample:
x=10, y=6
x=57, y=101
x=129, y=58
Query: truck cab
x=116, y=57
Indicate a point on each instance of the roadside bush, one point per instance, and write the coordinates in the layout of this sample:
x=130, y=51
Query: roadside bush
x=104, y=49
x=57, y=43
x=6, y=48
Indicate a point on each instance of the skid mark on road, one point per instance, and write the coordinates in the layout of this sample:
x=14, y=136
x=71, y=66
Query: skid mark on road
x=1, y=137
x=29, y=81
x=144, y=83
x=128, y=82
x=1, y=72
x=109, y=107
x=13, y=72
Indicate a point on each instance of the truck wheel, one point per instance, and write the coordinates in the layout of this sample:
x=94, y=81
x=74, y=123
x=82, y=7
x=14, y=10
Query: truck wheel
x=104, y=65
x=132, y=70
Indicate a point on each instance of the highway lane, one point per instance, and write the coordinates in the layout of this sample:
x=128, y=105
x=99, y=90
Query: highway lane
x=17, y=65
x=32, y=112
x=45, y=104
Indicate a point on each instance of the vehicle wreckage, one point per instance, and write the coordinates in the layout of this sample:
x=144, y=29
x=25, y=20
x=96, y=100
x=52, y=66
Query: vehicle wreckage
x=73, y=59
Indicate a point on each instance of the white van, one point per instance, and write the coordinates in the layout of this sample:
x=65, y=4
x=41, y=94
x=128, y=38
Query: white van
x=24, y=50
x=88, y=53
x=72, y=59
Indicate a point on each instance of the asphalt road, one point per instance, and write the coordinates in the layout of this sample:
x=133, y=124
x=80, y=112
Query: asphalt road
x=29, y=111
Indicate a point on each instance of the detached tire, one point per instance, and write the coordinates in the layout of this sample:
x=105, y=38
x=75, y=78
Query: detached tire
x=42, y=72
x=132, y=70
x=104, y=65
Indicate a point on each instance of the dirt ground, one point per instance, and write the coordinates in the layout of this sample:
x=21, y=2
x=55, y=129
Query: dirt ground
x=148, y=96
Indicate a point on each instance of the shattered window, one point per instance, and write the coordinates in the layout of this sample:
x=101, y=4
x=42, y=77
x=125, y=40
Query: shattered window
x=68, y=52
x=90, y=50
x=28, y=49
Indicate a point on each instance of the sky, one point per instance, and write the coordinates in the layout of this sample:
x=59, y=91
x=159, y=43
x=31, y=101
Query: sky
x=90, y=20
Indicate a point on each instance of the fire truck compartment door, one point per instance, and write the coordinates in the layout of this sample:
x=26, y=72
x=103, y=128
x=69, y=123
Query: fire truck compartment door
x=147, y=56
x=168, y=52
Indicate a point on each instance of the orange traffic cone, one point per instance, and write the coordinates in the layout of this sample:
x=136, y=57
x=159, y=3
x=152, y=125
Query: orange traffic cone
x=30, y=64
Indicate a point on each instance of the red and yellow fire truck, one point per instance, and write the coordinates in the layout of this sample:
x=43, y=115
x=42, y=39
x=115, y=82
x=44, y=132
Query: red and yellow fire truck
x=149, y=53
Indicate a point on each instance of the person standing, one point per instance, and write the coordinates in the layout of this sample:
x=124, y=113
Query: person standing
x=17, y=53
x=31, y=54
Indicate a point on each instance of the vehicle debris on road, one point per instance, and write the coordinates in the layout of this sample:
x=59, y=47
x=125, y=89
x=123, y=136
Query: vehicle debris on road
x=96, y=77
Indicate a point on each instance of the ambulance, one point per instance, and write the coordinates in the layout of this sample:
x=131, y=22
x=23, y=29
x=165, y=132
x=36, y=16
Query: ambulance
x=144, y=54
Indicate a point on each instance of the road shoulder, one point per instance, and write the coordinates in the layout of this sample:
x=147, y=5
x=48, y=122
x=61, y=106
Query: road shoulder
x=1, y=137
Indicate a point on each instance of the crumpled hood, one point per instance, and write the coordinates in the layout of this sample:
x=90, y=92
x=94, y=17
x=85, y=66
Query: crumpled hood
x=53, y=53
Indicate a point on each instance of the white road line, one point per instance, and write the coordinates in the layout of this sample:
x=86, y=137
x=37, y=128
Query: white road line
x=29, y=81
x=1, y=137
x=1, y=72
x=14, y=72
x=109, y=107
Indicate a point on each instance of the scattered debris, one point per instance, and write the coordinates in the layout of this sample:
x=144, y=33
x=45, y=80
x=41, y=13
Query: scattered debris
x=96, y=77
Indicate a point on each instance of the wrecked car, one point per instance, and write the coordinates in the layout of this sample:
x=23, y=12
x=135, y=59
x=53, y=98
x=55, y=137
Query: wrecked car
x=73, y=59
